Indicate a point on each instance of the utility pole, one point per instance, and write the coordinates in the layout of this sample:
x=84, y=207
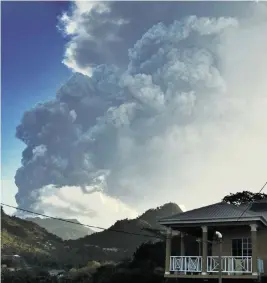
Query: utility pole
x=219, y=236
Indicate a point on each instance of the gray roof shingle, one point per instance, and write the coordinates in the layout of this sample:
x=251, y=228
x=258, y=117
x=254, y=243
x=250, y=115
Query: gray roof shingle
x=217, y=211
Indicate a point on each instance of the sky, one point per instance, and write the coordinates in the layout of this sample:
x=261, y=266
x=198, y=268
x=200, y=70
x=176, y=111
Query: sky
x=31, y=72
x=111, y=108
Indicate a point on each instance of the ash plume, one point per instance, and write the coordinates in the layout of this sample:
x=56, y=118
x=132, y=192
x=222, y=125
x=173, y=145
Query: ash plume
x=185, y=116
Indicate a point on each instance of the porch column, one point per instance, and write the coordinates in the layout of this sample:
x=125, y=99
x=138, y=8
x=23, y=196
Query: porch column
x=182, y=244
x=199, y=246
x=168, y=250
x=204, y=249
x=254, y=249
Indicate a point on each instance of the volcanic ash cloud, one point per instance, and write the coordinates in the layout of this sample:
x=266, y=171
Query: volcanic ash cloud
x=185, y=120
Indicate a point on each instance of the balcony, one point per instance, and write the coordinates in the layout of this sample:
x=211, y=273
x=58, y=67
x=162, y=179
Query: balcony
x=231, y=266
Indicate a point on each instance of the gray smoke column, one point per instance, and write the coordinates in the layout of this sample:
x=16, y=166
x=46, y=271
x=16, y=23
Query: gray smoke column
x=162, y=123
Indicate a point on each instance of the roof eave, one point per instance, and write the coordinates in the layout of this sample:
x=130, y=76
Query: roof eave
x=201, y=221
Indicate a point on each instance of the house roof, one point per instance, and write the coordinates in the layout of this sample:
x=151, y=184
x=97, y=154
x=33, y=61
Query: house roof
x=217, y=212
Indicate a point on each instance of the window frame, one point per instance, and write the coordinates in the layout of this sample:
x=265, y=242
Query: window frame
x=246, y=247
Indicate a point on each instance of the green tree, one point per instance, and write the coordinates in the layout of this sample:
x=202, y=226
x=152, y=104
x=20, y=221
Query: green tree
x=152, y=252
x=244, y=197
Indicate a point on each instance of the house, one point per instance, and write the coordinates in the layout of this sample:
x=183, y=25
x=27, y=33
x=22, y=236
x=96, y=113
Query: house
x=242, y=249
x=56, y=272
x=13, y=262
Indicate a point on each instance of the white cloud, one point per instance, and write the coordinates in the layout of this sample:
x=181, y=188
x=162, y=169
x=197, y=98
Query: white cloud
x=8, y=191
x=183, y=208
x=94, y=209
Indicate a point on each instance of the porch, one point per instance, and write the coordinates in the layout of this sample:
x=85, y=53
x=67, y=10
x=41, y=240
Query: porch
x=238, y=252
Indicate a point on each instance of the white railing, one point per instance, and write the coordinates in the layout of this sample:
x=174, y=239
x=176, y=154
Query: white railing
x=186, y=264
x=230, y=264
x=260, y=266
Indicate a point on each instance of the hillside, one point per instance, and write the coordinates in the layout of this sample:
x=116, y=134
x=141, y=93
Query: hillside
x=64, y=230
x=29, y=240
x=39, y=247
x=120, y=245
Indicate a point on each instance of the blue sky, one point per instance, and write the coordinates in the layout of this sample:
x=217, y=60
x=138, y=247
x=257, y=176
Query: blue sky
x=32, y=50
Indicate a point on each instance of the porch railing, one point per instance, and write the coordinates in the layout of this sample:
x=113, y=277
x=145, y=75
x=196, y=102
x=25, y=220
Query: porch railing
x=186, y=264
x=260, y=266
x=230, y=264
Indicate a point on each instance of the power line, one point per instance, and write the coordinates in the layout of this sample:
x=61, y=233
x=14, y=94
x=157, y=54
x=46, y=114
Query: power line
x=102, y=228
x=85, y=225
x=248, y=206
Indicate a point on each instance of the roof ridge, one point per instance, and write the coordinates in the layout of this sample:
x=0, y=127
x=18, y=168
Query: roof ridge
x=192, y=210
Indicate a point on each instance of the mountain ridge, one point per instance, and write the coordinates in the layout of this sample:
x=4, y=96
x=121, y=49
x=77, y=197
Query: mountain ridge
x=139, y=230
x=63, y=229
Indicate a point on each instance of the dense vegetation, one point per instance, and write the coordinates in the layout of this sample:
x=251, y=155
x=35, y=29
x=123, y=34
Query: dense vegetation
x=145, y=267
x=244, y=197
x=29, y=240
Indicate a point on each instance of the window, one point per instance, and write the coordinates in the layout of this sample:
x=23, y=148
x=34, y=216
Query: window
x=242, y=247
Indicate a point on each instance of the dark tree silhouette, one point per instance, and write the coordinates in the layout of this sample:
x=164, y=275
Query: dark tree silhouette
x=150, y=252
x=244, y=197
